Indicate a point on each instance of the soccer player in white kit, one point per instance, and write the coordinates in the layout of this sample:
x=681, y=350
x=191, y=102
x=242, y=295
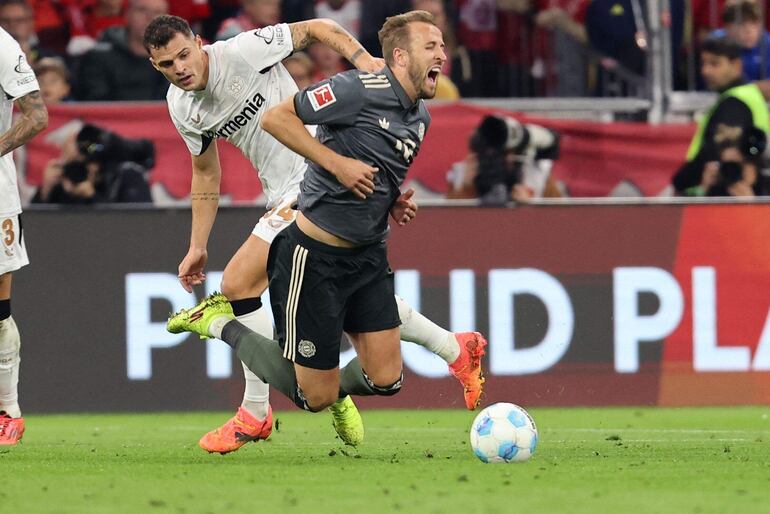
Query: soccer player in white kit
x=17, y=85
x=221, y=91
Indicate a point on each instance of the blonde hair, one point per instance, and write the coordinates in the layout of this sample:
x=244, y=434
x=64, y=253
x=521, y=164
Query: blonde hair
x=395, y=32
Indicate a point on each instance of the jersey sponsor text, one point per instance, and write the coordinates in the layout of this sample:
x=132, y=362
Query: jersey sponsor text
x=234, y=124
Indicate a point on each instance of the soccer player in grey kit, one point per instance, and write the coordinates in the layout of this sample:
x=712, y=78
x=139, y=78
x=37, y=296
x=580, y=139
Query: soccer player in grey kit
x=329, y=271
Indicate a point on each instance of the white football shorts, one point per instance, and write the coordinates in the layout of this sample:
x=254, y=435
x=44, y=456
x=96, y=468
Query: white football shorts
x=277, y=218
x=14, y=254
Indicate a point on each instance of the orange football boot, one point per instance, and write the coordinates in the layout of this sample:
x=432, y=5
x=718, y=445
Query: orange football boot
x=239, y=430
x=467, y=367
x=11, y=429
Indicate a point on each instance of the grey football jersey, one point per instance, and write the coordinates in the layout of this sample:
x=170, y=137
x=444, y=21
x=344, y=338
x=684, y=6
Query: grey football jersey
x=368, y=117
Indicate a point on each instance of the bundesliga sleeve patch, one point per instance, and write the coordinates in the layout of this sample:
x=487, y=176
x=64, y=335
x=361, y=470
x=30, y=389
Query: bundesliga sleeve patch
x=321, y=97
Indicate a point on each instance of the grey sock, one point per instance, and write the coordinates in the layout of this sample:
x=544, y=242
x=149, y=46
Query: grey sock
x=264, y=357
x=353, y=380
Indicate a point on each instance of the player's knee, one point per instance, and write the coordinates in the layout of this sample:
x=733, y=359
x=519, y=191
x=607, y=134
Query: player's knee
x=235, y=289
x=391, y=389
x=231, y=288
x=320, y=400
x=385, y=380
x=314, y=399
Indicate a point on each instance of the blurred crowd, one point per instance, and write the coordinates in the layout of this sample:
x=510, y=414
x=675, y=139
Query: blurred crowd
x=512, y=161
x=91, y=50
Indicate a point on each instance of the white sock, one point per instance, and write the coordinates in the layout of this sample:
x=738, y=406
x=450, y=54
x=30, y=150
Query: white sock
x=217, y=325
x=10, y=342
x=418, y=329
x=256, y=395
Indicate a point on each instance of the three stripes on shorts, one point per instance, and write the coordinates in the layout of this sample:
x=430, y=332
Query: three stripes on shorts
x=299, y=260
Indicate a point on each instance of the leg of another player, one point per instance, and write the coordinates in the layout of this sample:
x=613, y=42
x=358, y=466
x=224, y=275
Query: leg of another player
x=265, y=358
x=416, y=328
x=461, y=351
x=243, y=282
x=11, y=423
x=213, y=317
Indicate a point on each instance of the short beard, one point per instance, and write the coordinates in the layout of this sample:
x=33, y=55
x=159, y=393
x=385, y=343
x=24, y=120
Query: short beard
x=417, y=78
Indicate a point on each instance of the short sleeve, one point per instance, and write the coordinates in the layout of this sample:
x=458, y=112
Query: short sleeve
x=16, y=76
x=335, y=101
x=265, y=47
x=196, y=142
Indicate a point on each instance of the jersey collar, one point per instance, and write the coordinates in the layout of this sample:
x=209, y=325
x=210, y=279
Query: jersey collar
x=406, y=102
x=213, y=71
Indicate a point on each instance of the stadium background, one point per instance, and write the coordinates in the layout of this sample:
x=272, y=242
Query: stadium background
x=651, y=304
x=617, y=298
x=596, y=157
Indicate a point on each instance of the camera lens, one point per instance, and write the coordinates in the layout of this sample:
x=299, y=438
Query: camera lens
x=75, y=171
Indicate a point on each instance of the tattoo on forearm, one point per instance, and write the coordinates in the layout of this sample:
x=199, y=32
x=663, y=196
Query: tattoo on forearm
x=342, y=41
x=356, y=55
x=337, y=38
x=300, y=35
x=34, y=118
x=204, y=196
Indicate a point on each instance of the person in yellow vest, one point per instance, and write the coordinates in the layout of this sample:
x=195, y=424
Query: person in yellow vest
x=740, y=108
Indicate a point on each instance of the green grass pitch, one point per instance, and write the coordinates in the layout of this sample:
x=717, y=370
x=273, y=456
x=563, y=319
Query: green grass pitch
x=588, y=460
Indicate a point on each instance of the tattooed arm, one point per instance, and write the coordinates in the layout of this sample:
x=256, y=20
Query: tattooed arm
x=33, y=119
x=204, y=196
x=338, y=39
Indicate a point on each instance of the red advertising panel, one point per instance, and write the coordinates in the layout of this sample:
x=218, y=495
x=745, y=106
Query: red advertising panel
x=595, y=157
x=720, y=351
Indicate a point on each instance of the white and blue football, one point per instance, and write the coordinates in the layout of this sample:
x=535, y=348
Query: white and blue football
x=503, y=432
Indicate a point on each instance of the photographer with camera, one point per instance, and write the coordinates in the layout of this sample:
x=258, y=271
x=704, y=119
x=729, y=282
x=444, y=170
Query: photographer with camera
x=508, y=161
x=735, y=173
x=739, y=112
x=98, y=166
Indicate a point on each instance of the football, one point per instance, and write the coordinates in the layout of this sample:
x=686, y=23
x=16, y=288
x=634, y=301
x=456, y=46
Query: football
x=503, y=432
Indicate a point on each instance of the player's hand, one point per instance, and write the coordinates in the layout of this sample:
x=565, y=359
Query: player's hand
x=404, y=209
x=356, y=176
x=191, y=268
x=370, y=64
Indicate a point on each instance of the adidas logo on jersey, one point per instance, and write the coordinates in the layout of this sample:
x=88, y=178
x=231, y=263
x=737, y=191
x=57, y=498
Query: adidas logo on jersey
x=372, y=81
x=384, y=123
x=234, y=124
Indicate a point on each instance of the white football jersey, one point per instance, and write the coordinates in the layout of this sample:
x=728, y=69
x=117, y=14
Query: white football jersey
x=16, y=80
x=246, y=78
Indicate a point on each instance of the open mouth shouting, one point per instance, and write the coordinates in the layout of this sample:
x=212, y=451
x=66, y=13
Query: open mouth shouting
x=432, y=77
